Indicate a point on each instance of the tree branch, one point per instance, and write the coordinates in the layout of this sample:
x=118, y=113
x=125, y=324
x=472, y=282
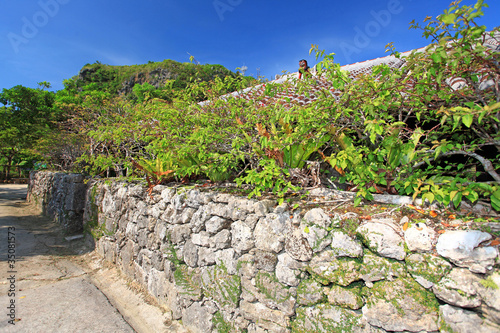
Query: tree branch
x=488, y=166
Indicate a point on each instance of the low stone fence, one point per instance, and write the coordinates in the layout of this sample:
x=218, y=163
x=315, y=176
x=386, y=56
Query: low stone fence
x=59, y=195
x=224, y=263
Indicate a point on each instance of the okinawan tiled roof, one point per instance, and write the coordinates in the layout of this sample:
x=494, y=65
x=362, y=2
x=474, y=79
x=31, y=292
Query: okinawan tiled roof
x=288, y=94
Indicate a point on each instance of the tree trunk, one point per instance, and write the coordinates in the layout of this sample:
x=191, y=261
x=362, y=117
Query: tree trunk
x=9, y=165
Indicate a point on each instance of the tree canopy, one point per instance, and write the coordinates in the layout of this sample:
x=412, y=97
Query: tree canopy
x=407, y=130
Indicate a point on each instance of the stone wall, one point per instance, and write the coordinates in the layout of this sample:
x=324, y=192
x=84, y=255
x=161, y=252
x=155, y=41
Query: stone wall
x=224, y=263
x=59, y=195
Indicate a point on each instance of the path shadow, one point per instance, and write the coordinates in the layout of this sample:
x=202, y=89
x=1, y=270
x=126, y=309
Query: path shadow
x=34, y=233
x=9, y=193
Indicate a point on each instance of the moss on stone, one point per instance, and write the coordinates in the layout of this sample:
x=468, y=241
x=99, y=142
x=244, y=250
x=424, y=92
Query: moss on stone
x=430, y=268
x=340, y=270
x=310, y=292
x=397, y=293
x=222, y=287
x=268, y=284
x=222, y=326
x=374, y=264
x=320, y=319
x=92, y=227
x=444, y=327
x=362, y=235
x=489, y=283
x=188, y=282
x=347, y=297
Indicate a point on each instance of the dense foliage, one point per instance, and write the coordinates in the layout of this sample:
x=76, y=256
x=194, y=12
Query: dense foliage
x=26, y=119
x=407, y=130
x=166, y=80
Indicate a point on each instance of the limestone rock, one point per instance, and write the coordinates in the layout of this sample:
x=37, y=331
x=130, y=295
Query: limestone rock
x=223, y=288
x=375, y=268
x=179, y=233
x=183, y=291
x=228, y=258
x=221, y=241
x=489, y=290
x=190, y=254
x=248, y=290
x=166, y=194
x=197, y=318
x=131, y=231
x=314, y=227
x=188, y=282
x=198, y=220
x=401, y=305
x=216, y=224
x=262, y=207
x=246, y=266
x=266, y=288
x=201, y=239
x=196, y=198
x=287, y=270
x=420, y=238
x=297, y=246
x=157, y=281
x=270, y=232
x=271, y=320
x=318, y=217
x=223, y=197
x=325, y=318
x=461, y=247
x=178, y=201
x=158, y=209
x=157, y=260
x=427, y=269
x=185, y=216
x=310, y=292
x=344, y=246
x=242, y=237
x=346, y=297
x=280, y=209
x=253, y=328
x=128, y=253
x=264, y=260
x=463, y=321
x=382, y=238
x=241, y=208
x=218, y=209
x=160, y=231
x=206, y=256
x=175, y=303
x=252, y=220
x=327, y=267
x=459, y=288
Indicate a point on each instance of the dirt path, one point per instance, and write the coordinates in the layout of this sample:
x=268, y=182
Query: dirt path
x=51, y=284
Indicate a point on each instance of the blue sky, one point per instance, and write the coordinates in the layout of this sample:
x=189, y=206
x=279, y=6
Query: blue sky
x=51, y=40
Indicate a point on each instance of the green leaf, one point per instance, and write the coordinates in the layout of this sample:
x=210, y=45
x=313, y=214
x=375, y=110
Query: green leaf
x=456, y=121
x=467, y=119
x=429, y=196
x=457, y=199
x=448, y=19
x=436, y=57
x=495, y=200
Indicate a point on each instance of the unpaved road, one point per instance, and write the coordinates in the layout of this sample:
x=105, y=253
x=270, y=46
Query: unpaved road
x=51, y=284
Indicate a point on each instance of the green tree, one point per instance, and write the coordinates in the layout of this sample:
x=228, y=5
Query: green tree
x=26, y=116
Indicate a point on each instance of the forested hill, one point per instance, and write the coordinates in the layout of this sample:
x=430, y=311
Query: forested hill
x=55, y=127
x=161, y=79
